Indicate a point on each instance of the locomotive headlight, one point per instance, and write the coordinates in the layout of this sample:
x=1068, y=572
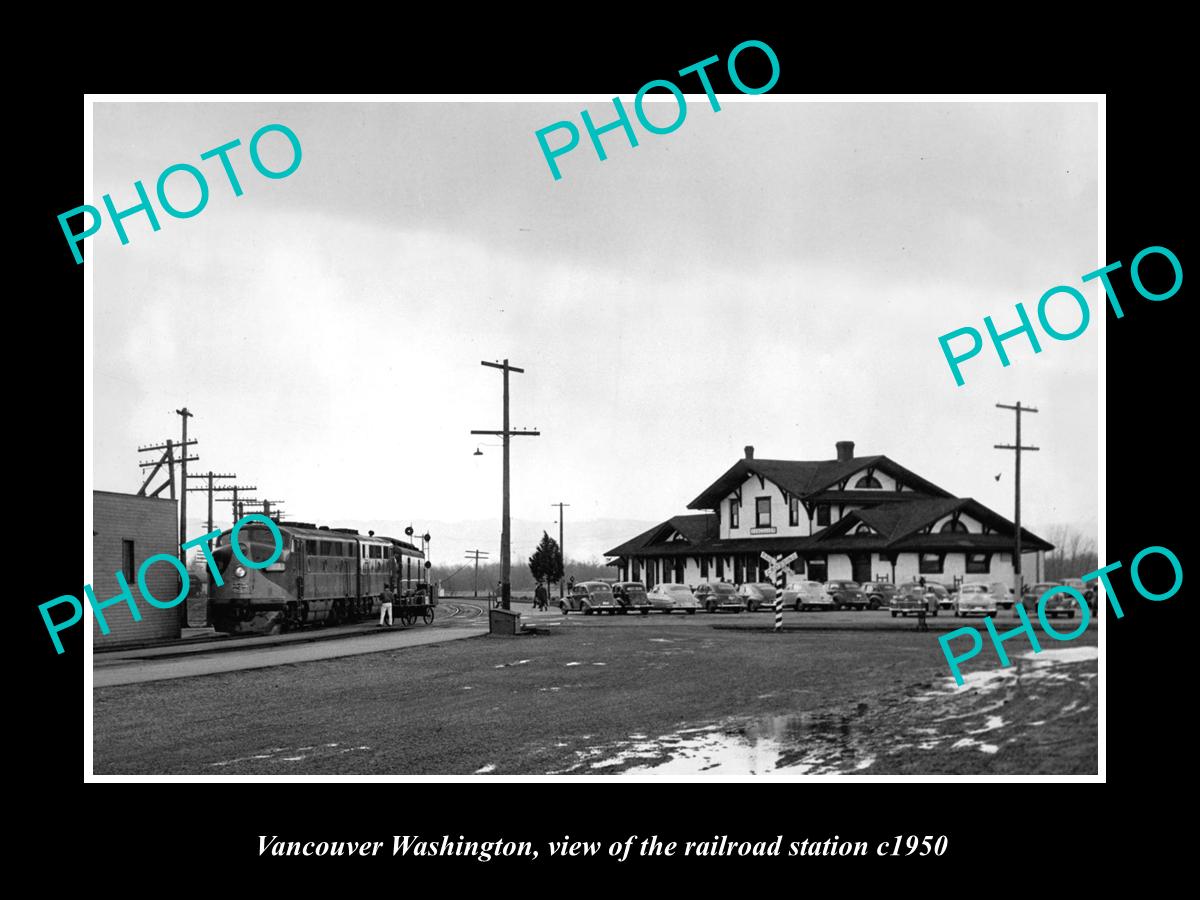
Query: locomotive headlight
x=239, y=572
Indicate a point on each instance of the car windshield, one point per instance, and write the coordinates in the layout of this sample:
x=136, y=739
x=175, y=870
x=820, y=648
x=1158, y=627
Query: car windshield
x=1045, y=586
x=599, y=588
x=634, y=586
x=721, y=588
x=678, y=587
x=975, y=589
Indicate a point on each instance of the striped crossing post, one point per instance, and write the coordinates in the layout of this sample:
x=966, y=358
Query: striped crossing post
x=779, y=582
x=778, y=566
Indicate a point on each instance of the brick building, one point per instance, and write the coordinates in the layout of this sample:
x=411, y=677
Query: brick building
x=863, y=518
x=126, y=530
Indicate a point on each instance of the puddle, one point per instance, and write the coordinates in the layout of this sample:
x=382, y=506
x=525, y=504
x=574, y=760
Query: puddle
x=911, y=729
x=483, y=771
x=971, y=742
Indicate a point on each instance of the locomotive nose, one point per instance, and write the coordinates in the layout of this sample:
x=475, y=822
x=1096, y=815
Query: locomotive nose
x=221, y=557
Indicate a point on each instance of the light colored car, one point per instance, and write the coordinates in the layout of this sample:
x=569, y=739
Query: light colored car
x=718, y=595
x=974, y=598
x=1003, y=594
x=807, y=595
x=758, y=595
x=589, y=597
x=670, y=597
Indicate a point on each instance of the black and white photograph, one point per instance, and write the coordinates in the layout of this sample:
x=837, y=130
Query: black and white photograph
x=524, y=438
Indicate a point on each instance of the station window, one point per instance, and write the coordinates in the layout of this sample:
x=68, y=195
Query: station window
x=863, y=528
x=868, y=481
x=127, y=560
x=793, y=511
x=733, y=513
x=979, y=563
x=311, y=547
x=823, y=514
x=762, y=512
x=324, y=548
x=954, y=525
x=930, y=564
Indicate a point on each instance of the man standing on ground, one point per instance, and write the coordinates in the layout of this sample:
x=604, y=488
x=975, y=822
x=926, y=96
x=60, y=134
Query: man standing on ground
x=385, y=606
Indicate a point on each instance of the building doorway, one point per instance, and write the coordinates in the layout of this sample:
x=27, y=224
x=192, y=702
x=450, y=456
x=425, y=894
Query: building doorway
x=818, y=570
x=860, y=567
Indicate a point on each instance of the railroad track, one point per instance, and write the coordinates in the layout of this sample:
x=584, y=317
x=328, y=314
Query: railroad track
x=459, y=610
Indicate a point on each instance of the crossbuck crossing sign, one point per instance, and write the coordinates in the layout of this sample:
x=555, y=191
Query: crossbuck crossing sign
x=777, y=570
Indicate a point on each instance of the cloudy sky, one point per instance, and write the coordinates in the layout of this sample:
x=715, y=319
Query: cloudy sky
x=774, y=274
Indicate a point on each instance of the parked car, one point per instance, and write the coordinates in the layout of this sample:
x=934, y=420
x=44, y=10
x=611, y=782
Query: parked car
x=1088, y=590
x=631, y=596
x=758, y=595
x=670, y=597
x=1003, y=594
x=847, y=595
x=589, y=597
x=1058, y=605
x=974, y=598
x=944, y=600
x=879, y=593
x=807, y=594
x=910, y=598
x=718, y=595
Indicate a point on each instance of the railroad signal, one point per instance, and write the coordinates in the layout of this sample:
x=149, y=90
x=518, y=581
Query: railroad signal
x=777, y=569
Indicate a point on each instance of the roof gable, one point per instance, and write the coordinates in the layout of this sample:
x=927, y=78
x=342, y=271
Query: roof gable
x=805, y=478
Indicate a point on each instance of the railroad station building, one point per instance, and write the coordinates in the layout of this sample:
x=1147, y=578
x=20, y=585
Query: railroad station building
x=862, y=518
x=128, y=529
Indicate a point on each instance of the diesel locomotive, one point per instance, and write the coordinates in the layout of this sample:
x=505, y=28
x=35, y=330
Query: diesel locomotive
x=322, y=576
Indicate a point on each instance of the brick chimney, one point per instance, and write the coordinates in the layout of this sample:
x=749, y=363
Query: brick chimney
x=845, y=450
x=749, y=452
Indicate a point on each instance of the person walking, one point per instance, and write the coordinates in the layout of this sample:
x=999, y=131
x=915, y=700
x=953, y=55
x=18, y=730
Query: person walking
x=385, y=605
x=540, y=596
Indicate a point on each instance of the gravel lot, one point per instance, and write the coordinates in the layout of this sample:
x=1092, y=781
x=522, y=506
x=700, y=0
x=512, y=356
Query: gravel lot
x=849, y=692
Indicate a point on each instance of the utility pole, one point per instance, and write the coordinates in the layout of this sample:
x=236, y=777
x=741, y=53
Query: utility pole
x=476, y=555
x=167, y=459
x=506, y=530
x=265, y=505
x=210, y=488
x=237, y=502
x=1017, y=448
x=185, y=415
x=561, y=550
